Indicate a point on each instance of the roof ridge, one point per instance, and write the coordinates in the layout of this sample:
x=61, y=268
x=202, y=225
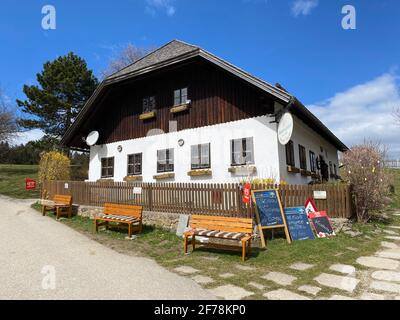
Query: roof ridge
x=150, y=53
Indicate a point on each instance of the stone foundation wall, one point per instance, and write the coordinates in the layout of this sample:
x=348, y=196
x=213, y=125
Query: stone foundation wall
x=168, y=221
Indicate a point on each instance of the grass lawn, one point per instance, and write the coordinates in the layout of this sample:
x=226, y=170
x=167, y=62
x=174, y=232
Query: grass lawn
x=167, y=249
x=12, y=180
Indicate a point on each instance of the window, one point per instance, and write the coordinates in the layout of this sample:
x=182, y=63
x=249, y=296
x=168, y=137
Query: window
x=290, y=154
x=330, y=168
x=180, y=96
x=302, y=157
x=335, y=169
x=201, y=156
x=149, y=104
x=242, y=151
x=165, y=160
x=313, y=162
x=107, y=167
x=135, y=164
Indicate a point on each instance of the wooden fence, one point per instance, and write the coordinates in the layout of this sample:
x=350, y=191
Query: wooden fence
x=189, y=198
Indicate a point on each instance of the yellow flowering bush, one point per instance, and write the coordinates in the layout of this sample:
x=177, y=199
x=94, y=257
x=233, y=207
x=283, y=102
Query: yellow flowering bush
x=54, y=166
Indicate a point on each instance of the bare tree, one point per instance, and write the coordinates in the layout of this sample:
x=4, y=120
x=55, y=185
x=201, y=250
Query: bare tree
x=396, y=114
x=8, y=125
x=125, y=57
x=365, y=170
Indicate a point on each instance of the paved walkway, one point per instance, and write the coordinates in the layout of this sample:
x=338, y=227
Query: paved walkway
x=34, y=248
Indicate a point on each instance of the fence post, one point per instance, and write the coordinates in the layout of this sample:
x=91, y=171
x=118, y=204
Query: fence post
x=150, y=196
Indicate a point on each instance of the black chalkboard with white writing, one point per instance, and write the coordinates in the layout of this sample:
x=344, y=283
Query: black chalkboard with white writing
x=298, y=224
x=269, y=208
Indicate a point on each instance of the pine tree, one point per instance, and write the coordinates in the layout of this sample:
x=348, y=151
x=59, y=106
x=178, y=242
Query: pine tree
x=64, y=85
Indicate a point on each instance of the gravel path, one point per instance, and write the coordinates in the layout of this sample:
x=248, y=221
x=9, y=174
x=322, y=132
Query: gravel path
x=33, y=247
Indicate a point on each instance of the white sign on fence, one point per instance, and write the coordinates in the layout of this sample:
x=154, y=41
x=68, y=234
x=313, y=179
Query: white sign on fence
x=320, y=195
x=66, y=186
x=137, y=190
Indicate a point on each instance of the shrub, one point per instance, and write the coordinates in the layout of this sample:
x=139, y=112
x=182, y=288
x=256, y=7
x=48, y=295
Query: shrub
x=364, y=169
x=54, y=166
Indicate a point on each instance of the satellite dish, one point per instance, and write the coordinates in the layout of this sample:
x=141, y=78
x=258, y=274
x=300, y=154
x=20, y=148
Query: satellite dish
x=285, y=128
x=92, y=138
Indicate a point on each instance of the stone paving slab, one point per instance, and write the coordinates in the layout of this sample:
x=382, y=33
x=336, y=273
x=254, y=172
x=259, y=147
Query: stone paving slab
x=256, y=285
x=282, y=294
x=385, y=286
x=339, y=282
x=390, y=253
x=310, y=289
x=389, y=245
x=244, y=268
x=378, y=263
x=395, y=227
x=226, y=275
x=393, y=238
x=391, y=232
x=343, y=268
x=203, y=279
x=230, y=292
x=385, y=275
x=339, y=297
x=300, y=266
x=372, y=296
x=186, y=270
x=280, y=278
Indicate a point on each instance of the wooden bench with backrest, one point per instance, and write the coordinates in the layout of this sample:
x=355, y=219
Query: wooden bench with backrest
x=61, y=205
x=130, y=215
x=236, y=229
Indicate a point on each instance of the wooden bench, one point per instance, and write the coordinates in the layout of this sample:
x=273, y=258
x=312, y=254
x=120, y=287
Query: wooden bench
x=130, y=215
x=62, y=205
x=235, y=229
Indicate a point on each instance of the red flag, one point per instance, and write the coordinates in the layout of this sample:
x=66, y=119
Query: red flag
x=246, y=193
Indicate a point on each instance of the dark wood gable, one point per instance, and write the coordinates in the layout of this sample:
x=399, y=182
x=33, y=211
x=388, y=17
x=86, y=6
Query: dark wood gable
x=216, y=96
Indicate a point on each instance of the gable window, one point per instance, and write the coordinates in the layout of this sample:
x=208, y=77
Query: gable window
x=149, y=104
x=290, y=154
x=135, y=164
x=201, y=156
x=165, y=160
x=180, y=96
x=302, y=157
x=107, y=167
x=313, y=162
x=242, y=151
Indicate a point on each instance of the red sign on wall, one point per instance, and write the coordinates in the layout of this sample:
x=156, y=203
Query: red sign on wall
x=246, y=193
x=30, y=184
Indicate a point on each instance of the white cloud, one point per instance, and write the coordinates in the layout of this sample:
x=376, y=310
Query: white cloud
x=303, y=7
x=364, y=112
x=25, y=137
x=161, y=5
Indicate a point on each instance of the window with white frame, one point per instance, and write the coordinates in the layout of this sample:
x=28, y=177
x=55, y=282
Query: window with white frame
x=201, y=156
x=165, y=160
x=242, y=151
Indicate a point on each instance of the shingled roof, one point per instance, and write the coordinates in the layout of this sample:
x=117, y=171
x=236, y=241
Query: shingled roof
x=177, y=51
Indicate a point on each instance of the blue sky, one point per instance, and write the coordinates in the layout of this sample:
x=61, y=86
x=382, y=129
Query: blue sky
x=349, y=78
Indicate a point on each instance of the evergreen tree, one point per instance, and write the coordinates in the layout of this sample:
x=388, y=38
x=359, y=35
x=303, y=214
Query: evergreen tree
x=64, y=85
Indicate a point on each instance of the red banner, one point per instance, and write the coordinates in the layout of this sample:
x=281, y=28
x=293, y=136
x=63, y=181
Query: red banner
x=30, y=184
x=246, y=193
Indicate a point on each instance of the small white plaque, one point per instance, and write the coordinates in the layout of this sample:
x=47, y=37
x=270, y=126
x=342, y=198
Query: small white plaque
x=320, y=195
x=66, y=186
x=137, y=190
x=285, y=128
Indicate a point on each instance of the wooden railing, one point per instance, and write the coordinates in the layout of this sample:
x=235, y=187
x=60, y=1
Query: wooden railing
x=212, y=199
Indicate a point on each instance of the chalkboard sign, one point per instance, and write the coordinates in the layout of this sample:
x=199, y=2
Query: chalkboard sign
x=298, y=224
x=269, y=208
x=321, y=224
x=269, y=212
